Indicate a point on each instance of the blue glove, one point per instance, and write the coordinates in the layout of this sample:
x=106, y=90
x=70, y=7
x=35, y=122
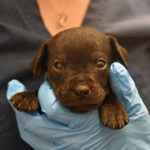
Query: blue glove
x=59, y=129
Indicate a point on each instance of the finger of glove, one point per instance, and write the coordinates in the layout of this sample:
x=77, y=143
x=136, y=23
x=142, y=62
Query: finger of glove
x=51, y=106
x=13, y=87
x=40, y=125
x=35, y=140
x=54, y=134
x=125, y=89
x=45, y=128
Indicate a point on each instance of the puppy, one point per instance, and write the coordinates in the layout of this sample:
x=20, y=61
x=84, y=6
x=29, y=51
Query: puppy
x=77, y=64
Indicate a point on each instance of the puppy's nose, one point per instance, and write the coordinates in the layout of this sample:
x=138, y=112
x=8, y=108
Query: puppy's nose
x=81, y=90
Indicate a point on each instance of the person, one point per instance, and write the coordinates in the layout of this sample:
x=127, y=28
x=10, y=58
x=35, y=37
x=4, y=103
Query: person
x=59, y=129
x=25, y=25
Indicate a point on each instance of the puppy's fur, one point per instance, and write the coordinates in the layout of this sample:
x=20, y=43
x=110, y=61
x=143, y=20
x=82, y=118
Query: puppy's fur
x=77, y=64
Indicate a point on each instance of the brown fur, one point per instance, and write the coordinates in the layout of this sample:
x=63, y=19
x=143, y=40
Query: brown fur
x=77, y=63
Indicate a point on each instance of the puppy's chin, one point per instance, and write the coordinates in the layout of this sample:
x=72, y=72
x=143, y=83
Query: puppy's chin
x=84, y=105
x=83, y=109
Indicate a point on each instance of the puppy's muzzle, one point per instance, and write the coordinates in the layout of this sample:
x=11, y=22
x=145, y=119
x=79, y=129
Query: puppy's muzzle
x=81, y=86
x=81, y=90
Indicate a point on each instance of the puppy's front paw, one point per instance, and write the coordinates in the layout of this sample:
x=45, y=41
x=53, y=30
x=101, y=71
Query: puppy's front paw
x=25, y=101
x=113, y=115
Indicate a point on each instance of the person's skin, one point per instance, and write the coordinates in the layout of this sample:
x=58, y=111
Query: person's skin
x=50, y=10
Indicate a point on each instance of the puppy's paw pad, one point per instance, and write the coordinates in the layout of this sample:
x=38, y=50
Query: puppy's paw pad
x=25, y=101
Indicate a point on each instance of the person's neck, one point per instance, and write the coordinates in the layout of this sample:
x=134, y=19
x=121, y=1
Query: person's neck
x=59, y=15
x=64, y=4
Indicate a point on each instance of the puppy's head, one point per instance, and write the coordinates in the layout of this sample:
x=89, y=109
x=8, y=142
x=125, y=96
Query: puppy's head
x=77, y=61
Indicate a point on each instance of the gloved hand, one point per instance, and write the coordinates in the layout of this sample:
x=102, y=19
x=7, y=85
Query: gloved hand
x=59, y=129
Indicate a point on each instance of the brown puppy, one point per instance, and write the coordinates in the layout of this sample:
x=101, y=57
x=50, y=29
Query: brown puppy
x=77, y=64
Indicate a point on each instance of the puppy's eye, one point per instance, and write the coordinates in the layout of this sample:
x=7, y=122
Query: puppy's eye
x=100, y=63
x=59, y=65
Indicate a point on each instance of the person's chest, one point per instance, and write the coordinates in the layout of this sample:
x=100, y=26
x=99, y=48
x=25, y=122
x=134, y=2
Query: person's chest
x=60, y=15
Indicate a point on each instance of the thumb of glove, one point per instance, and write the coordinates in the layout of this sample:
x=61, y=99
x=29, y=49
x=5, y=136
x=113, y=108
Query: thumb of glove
x=125, y=89
x=14, y=86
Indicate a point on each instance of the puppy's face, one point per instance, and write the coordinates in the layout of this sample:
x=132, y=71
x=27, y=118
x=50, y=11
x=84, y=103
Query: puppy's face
x=77, y=62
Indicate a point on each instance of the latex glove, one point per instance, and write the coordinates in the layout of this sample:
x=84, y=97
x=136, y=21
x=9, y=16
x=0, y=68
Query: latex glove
x=60, y=129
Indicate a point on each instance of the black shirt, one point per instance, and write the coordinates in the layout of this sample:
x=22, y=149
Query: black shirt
x=22, y=32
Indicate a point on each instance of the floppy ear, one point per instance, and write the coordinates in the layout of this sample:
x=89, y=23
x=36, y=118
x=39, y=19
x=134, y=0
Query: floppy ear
x=39, y=62
x=120, y=53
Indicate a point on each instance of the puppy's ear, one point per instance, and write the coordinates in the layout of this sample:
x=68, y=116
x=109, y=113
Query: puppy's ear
x=119, y=52
x=39, y=62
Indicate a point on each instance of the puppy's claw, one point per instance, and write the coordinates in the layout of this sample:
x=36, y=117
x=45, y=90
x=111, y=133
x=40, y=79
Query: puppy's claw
x=13, y=102
x=120, y=125
x=113, y=126
x=105, y=123
x=29, y=108
x=18, y=105
x=126, y=121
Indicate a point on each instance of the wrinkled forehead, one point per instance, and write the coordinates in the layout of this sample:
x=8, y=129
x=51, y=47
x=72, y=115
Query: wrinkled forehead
x=81, y=45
